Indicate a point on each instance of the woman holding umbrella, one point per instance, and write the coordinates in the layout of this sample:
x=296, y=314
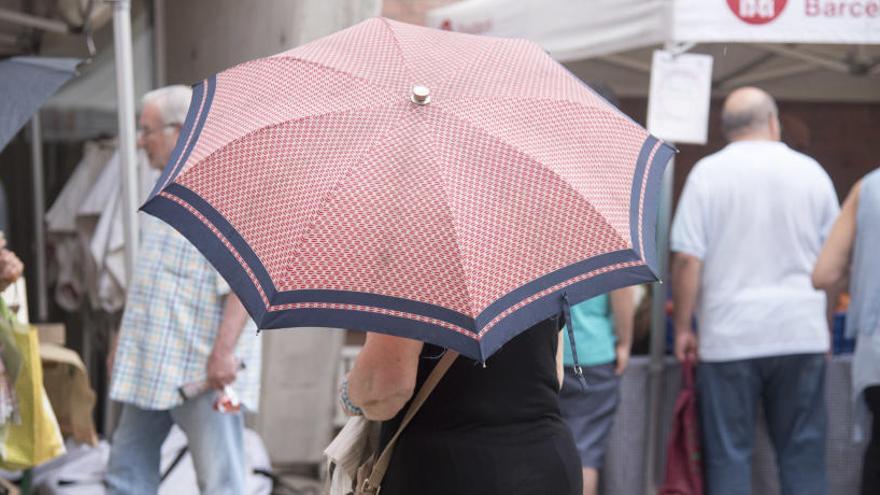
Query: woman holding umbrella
x=374, y=180
x=492, y=429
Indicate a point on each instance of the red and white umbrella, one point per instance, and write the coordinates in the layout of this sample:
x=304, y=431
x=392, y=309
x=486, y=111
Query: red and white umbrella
x=392, y=178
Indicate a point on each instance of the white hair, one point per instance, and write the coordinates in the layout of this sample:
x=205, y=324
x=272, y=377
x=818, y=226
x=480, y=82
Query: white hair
x=172, y=102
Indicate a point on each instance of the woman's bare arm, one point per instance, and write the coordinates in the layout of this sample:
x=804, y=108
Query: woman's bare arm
x=384, y=375
x=560, y=370
x=623, y=309
x=832, y=267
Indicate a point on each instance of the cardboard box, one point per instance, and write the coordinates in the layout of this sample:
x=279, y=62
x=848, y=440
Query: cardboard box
x=51, y=333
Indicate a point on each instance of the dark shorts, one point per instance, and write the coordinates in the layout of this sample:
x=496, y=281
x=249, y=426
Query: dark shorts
x=590, y=413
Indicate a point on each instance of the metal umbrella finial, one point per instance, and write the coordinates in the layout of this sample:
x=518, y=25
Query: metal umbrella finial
x=420, y=95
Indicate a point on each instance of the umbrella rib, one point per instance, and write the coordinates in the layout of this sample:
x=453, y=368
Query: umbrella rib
x=500, y=100
x=397, y=46
x=545, y=99
x=454, y=224
x=497, y=43
x=277, y=124
x=500, y=139
x=395, y=90
x=331, y=193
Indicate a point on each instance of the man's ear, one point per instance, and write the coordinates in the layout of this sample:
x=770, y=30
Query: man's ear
x=775, y=128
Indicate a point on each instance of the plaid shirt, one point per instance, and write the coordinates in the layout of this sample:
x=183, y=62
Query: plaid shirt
x=172, y=315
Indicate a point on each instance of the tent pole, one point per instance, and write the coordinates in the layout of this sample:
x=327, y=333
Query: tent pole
x=627, y=63
x=127, y=157
x=656, y=367
x=125, y=104
x=159, y=47
x=810, y=58
x=767, y=75
x=40, y=218
x=32, y=21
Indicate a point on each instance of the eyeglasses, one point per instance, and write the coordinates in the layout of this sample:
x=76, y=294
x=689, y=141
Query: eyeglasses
x=143, y=132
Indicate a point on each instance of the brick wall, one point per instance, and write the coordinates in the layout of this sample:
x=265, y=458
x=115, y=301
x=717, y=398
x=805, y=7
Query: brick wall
x=843, y=137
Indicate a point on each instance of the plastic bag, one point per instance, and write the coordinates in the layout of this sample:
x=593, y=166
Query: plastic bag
x=36, y=438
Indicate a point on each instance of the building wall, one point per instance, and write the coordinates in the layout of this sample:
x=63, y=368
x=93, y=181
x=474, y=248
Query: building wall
x=206, y=36
x=411, y=11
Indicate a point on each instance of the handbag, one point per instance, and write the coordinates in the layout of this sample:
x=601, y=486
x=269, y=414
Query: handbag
x=683, y=462
x=355, y=465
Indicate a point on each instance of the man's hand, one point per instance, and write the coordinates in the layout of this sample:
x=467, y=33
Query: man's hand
x=222, y=363
x=686, y=345
x=686, y=274
x=622, y=351
x=222, y=368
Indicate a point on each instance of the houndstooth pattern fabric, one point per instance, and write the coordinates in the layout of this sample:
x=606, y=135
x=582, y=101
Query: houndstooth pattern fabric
x=319, y=161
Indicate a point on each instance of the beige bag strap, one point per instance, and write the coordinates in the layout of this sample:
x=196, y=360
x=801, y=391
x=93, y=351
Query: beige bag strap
x=371, y=484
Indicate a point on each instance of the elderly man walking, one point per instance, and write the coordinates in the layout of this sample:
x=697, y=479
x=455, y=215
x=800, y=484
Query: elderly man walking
x=181, y=325
x=748, y=230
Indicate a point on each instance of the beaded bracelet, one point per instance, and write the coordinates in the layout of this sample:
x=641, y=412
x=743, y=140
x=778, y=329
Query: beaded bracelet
x=347, y=404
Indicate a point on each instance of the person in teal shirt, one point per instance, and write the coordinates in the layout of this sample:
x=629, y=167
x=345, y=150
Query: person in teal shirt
x=602, y=329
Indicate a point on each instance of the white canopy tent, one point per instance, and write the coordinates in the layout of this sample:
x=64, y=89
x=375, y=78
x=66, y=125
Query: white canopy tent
x=752, y=40
x=567, y=29
x=577, y=29
x=832, y=48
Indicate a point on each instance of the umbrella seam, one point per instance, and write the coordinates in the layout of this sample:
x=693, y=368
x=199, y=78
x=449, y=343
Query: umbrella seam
x=611, y=112
x=329, y=68
x=455, y=227
x=531, y=157
x=496, y=44
x=187, y=170
x=331, y=193
x=397, y=45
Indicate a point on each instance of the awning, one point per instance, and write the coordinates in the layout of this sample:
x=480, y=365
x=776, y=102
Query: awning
x=577, y=29
x=777, y=21
x=567, y=29
x=830, y=48
x=85, y=108
x=25, y=84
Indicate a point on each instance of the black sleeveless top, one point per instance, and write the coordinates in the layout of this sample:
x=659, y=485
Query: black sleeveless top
x=486, y=430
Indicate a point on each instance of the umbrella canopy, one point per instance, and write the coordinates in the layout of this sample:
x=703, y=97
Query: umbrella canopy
x=433, y=185
x=25, y=83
